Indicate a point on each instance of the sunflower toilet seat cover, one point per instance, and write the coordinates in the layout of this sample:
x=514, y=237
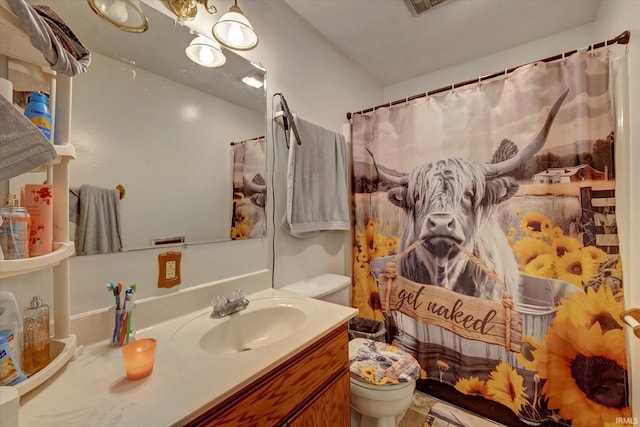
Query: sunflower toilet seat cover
x=381, y=363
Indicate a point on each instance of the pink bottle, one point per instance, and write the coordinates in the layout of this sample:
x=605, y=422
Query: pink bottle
x=38, y=200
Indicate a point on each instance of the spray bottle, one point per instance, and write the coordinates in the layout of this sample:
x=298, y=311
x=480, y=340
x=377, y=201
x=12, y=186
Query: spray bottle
x=14, y=229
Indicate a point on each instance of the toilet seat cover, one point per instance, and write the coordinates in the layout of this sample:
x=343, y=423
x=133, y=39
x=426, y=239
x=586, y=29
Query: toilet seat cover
x=381, y=363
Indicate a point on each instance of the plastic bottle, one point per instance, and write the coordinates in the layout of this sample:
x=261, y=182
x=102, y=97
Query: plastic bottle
x=38, y=201
x=37, y=110
x=35, y=349
x=10, y=372
x=11, y=323
x=14, y=229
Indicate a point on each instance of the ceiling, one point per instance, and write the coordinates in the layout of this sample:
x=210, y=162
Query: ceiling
x=381, y=36
x=392, y=46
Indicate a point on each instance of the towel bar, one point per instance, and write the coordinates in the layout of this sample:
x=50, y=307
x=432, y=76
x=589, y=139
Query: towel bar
x=119, y=187
x=632, y=318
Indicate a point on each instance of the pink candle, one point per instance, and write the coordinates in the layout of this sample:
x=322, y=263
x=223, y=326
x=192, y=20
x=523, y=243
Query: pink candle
x=139, y=357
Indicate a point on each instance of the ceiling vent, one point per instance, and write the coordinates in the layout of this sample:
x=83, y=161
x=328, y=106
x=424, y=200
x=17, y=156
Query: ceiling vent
x=418, y=7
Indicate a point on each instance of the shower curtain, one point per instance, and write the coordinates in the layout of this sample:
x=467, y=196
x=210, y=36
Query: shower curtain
x=248, y=218
x=486, y=238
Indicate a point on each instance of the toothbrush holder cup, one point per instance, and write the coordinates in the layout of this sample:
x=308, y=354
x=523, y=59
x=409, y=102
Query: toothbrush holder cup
x=123, y=331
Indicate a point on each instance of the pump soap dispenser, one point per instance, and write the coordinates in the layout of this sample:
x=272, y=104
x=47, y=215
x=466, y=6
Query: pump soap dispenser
x=35, y=352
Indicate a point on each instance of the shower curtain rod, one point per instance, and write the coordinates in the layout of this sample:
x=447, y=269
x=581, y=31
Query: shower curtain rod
x=248, y=140
x=623, y=38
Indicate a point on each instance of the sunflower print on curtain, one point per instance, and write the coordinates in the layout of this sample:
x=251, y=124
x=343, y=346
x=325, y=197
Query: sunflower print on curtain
x=455, y=175
x=248, y=218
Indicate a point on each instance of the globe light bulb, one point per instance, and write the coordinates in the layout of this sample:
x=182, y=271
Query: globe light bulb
x=236, y=35
x=206, y=55
x=205, y=52
x=118, y=11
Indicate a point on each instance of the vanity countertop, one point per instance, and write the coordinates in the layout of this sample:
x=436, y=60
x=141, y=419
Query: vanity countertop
x=93, y=389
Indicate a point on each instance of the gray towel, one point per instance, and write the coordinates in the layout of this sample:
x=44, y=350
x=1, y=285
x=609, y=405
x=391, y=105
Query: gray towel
x=98, y=221
x=317, y=196
x=22, y=146
x=74, y=205
x=49, y=34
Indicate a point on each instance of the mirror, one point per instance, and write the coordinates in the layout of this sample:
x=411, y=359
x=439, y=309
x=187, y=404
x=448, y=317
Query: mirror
x=148, y=119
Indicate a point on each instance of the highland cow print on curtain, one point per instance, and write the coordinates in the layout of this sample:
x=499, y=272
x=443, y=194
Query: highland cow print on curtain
x=248, y=219
x=485, y=236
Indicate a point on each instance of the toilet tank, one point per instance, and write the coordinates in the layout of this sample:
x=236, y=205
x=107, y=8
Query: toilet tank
x=328, y=287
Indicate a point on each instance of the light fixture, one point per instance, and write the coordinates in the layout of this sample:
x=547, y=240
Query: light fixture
x=123, y=14
x=417, y=7
x=234, y=31
x=205, y=52
x=188, y=9
x=253, y=81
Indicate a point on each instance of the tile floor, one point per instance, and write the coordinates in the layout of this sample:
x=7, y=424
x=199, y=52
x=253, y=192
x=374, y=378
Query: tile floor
x=426, y=411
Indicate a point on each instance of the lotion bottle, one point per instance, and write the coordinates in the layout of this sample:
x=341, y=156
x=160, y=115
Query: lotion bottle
x=38, y=200
x=36, y=341
x=37, y=111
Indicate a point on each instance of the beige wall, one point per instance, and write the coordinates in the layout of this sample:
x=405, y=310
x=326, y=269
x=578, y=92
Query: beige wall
x=319, y=84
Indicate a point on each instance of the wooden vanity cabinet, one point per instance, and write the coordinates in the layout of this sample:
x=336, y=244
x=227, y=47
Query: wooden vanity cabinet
x=309, y=389
x=328, y=408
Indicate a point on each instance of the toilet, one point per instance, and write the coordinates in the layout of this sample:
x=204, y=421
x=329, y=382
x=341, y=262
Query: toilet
x=372, y=405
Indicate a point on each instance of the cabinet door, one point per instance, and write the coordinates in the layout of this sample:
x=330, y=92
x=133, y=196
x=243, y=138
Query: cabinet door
x=330, y=408
x=270, y=399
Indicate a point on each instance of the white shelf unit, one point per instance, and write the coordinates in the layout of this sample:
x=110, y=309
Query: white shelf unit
x=61, y=251
x=15, y=44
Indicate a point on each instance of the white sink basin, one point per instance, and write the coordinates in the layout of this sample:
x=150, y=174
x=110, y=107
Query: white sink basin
x=264, y=322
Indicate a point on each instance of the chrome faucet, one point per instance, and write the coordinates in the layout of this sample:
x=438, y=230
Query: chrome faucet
x=225, y=306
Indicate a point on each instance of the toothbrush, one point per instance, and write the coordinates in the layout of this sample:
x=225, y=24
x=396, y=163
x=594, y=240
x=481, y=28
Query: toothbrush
x=112, y=288
x=125, y=318
x=129, y=293
x=117, y=292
